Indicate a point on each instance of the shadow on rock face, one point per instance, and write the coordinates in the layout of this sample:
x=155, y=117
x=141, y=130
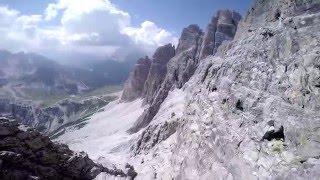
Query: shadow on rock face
x=270, y=135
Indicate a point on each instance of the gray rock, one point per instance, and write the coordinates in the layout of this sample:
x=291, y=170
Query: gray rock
x=6, y=131
x=189, y=38
x=37, y=143
x=134, y=85
x=222, y=27
x=153, y=135
x=264, y=12
x=157, y=71
x=30, y=155
x=270, y=68
x=23, y=135
x=226, y=27
x=191, y=49
x=130, y=171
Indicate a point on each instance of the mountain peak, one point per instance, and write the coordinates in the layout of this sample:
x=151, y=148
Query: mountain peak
x=189, y=37
x=134, y=85
x=163, y=54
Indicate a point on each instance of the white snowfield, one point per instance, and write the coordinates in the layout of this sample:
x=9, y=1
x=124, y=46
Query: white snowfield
x=105, y=130
x=106, y=141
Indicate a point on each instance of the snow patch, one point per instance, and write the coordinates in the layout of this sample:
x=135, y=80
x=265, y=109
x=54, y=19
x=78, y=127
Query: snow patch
x=105, y=131
x=106, y=141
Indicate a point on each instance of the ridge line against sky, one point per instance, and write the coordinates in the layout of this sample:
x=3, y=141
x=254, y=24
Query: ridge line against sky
x=75, y=30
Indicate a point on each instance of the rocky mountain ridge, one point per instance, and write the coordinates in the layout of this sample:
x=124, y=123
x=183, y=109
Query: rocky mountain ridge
x=45, y=95
x=29, y=155
x=193, y=46
x=251, y=110
x=31, y=71
x=135, y=86
x=29, y=76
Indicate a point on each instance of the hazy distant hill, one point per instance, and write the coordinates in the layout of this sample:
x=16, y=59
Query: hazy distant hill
x=27, y=75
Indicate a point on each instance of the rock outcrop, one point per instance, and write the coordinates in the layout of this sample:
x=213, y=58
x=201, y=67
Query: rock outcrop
x=193, y=46
x=222, y=27
x=190, y=37
x=158, y=71
x=146, y=78
x=134, y=86
x=30, y=155
x=153, y=135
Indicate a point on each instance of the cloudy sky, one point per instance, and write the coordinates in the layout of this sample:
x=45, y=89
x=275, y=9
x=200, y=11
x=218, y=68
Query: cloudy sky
x=75, y=30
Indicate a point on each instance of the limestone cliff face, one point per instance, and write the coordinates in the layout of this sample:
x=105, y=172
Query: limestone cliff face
x=134, y=86
x=189, y=39
x=223, y=26
x=182, y=66
x=275, y=11
x=193, y=46
x=253, y=109
x=158, y=71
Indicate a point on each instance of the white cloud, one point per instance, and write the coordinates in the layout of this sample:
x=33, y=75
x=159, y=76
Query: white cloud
x=51, y=12
x=7, y=16
x=149, y=34
x=88, y=21
x=18, y=32
x=94, y=27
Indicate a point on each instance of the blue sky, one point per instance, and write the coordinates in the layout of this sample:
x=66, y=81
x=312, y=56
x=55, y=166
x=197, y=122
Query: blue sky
x=174, y=15
x=27, y=6
x=102, y=29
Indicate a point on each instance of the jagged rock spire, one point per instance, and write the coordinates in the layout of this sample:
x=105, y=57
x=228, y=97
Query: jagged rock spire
x=189, y=37
x=157, y=71
x=135, y=83
x=193, y=46
x=222, y=27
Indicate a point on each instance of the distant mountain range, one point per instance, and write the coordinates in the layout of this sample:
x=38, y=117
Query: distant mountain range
x=48, y=96
x=27, y=75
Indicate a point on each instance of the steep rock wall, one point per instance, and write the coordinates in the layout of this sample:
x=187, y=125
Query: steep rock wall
x=193, y=46
x=133, y=88
x=253, y=110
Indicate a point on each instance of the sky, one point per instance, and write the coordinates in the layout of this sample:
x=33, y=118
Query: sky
x=75, y=30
